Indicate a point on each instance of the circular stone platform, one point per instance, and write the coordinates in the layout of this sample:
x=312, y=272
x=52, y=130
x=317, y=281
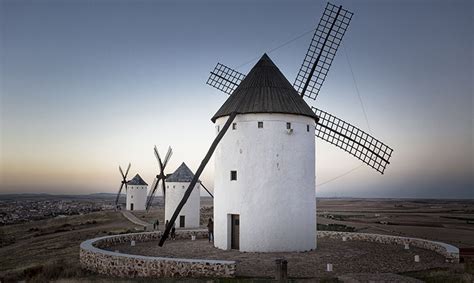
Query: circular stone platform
x=138, y=255
x=346, y=257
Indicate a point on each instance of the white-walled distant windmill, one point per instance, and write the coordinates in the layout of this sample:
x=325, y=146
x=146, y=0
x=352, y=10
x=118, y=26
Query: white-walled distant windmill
x=135, y=190
x=136, y=193
x=176, y=185
x=264, y=167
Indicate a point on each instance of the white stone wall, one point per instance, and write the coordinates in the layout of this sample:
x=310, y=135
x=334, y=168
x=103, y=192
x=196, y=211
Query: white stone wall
x=191, y=210
x=274, y=193
x=136, y=195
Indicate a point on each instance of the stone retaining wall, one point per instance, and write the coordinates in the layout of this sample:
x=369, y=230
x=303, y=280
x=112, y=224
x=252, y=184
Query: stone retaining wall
x=94, y=258
x=106, y=242
x=450, y=252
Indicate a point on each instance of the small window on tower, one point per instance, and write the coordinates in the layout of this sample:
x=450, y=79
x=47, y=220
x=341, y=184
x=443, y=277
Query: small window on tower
x=233, y=175
x=234, y=126
x=168, y=186
x=173, y=187
x=288, y=126
x=260, y=125
x=307, y=128
x=183, y=187
x=131, y=196
x=218, y=128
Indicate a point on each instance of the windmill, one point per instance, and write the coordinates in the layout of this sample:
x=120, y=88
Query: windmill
x=314, y=69
x=124, y=182
x=161, y=176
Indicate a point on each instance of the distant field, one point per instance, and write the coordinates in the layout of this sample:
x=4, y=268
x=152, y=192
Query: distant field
x=31, y=250
x=450, y=221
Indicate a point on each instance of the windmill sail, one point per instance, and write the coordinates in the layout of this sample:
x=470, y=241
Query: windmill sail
x=322, y=50
x=118, y=194
x=151, y=195
x=225, y=79
x=124, y=182
x=168, y=156
x=365, y=147
x=160, y=177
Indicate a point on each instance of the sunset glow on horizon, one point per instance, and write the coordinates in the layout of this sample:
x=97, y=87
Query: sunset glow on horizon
x=86, y=86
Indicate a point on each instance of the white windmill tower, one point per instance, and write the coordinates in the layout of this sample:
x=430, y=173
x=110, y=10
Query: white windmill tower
x=265, y=172
x=264, y=178
x=136, y=193
x=176, y=185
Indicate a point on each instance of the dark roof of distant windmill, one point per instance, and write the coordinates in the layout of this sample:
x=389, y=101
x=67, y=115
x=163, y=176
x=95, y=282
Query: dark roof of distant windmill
x=182, y=174
x=137, y=181
x=265, y=90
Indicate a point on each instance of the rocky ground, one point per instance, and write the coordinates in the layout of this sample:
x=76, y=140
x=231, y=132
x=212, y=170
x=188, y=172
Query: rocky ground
x=346, y=257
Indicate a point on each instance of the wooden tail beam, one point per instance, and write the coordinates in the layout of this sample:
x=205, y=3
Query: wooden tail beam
x=202, y=185
x=196, y=177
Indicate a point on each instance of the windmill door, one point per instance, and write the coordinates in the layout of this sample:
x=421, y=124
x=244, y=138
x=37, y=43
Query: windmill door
x=235, y=232
x=131, y=206
x=181, y=221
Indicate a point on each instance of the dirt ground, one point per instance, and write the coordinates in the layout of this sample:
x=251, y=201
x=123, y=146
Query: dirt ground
x=45, y=241
x=27, y=249
x=346, y=257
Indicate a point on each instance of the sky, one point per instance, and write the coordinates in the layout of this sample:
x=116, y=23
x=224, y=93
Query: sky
x=86, y=86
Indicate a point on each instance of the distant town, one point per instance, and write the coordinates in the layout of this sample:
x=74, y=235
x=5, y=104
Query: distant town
x=16, y=209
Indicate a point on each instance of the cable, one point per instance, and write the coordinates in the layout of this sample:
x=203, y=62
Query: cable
x=278, y=47
x=340, y=176
x=357, y=88
x=365, y=116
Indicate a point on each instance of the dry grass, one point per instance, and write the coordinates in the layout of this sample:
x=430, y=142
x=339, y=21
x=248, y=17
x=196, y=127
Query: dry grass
x=39, y=245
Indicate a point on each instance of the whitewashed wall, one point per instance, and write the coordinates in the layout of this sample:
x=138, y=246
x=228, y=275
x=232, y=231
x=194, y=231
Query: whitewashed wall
x=191, y=210
x=275, y=189
x=136, y=195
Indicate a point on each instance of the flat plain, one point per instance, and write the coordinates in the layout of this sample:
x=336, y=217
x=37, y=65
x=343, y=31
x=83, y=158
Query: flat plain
x=48, y=249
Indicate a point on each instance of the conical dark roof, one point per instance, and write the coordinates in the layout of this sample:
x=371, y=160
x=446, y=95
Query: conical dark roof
x=182, y=174
x=265, y=90
x=137, y=181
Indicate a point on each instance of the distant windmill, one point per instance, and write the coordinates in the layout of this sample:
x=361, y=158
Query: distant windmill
x=265, y=93
x=161, y=176
x=124, y=182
